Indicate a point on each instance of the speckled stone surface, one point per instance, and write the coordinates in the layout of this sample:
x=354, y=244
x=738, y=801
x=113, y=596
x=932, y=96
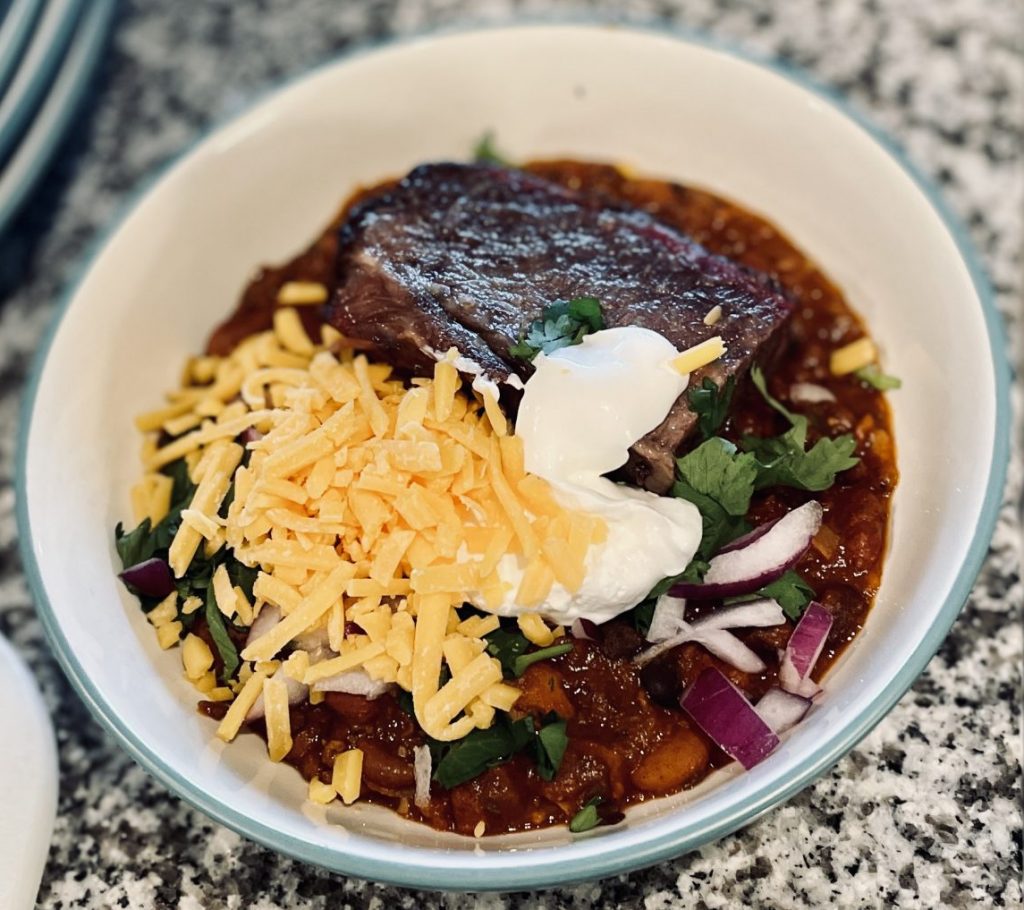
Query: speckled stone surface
x=926, y=812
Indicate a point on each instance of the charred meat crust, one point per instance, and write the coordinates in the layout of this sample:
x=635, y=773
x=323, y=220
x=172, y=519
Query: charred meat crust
x=467, y=255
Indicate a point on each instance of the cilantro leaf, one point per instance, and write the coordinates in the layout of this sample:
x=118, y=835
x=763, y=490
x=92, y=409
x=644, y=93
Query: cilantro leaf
x=552, y=741
x=134, y=546
x=524, y=661
x=506, y=647
x=587, y=817
x=562, y=324
x=715, y=469
x=219, y=633
x=791, y=592
x=711, y=404
x=812, y=470
x=785, y=461
x=874, y=377
x=483, y=749
x=485, y=151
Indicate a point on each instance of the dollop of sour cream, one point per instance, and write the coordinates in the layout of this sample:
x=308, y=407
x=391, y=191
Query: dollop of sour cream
x=582, y=409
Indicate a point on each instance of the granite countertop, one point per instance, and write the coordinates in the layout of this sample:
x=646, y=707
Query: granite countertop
x=926, y=812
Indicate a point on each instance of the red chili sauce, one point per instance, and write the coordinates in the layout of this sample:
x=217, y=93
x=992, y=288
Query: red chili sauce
x=628, y=739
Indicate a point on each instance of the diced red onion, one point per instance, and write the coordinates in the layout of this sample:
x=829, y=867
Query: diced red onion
x=269, y=616
x=297, y=692
x=353, y=628
x=757, y=614
x=761, y=561
x=782, y=710
x=422, y=768
x=353, y=682
x=804, y=649
x=711, y=632
x=151, y=577
x=666, y=619
x=585, y=630
x=809, y=393
x=723, y=713
x=251, y=434
x=745, y=540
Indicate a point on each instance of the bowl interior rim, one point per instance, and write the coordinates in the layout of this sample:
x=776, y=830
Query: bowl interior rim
x=584, y=858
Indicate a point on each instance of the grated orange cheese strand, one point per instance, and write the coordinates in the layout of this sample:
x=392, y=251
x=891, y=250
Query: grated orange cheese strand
x=483, y=672
x=245, y=699
x=207, y=500
x=340, y=664
x=302, y=617
x=347, y=777
x=277, y=718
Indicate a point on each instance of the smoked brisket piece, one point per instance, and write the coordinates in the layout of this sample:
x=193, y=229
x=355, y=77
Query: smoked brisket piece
x=467, y=255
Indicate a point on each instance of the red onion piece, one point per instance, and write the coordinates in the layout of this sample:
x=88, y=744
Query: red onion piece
x=745, y=540
x=758, y=614
x=809, y=393
x=666, y=619
x=729, y=648
x=782, y=710
x=353, y=682
x=585, y=629
x=297, y=692
x=804, y=649
x=723, y=713
x=269, y=616
x=152, y=578
x=251, y=434
x=711, y=632
x=761, y=561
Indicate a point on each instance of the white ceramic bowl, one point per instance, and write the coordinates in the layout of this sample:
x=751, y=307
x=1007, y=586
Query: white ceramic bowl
x=259, y=188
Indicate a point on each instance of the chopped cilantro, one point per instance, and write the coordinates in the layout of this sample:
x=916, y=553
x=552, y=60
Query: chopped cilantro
x=219, y=633
x=510, y=648
x=524, y=661
x=552, y=741
x=507, y=647
x=720, y=480
x=717, y=470
x=482, y=749
x=791, y=592
x=134, y=546
x=874, y=377
x=785, y=461
x=587, y=817
x=485, y=151
x=711, y=404
x=562, y=324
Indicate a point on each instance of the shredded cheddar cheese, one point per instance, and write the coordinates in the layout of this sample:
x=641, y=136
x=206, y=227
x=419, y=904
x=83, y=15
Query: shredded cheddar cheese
x=370, y=509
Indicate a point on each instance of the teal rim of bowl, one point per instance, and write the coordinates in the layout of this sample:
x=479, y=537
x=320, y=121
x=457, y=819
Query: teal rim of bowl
x=576, y=861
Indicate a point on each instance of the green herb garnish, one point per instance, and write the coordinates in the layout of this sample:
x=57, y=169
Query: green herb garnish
x=219, y=633
x=524, y=661
x=457, y=762
x=510, y=649
x=784, y=460
x=711, y=404
x=485, y=151
x=587, y=817
x=791, y=592
x=552, y=741
x=506, y=647
x=562, y=324
x=482, y=749
x=134, y=546
x=872, y=374
x=720, y=479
